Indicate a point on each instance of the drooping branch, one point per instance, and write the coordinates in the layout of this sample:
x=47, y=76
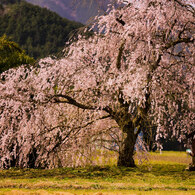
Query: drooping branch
x=119, y=57
x=188, y=6
x=184, y=28
x=70, y=100
x=180, y=40
x=121, y=21
x=76, y=131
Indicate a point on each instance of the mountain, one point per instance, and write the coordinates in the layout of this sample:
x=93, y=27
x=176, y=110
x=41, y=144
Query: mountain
x=39, y=31
x=77, y=10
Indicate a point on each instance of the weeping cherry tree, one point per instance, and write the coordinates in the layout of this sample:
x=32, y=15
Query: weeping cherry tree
x=136, y=72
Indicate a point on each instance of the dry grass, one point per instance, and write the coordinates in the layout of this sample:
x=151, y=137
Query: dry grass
x=42, y=192
x=170, y=157
x=163, y=174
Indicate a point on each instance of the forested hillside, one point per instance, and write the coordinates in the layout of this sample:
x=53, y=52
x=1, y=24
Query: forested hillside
x=37, y=30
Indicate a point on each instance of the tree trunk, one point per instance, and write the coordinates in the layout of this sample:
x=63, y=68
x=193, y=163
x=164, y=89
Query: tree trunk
x=32, y=158
x=126, y=151
x=192, y=166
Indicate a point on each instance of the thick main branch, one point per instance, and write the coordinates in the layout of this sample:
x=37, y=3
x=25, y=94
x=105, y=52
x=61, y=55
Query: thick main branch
x=70, y=100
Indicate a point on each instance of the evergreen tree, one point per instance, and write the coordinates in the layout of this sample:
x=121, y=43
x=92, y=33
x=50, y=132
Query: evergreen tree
x=11, y=55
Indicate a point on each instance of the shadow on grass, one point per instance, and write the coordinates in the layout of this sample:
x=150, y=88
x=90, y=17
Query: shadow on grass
x=98, y=172
x=79, y=172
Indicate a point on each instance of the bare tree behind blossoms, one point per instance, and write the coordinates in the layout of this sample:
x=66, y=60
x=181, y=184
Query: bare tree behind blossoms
x=136, y=72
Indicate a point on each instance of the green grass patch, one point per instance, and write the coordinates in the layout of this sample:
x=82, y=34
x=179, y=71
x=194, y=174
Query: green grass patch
x=163, y=174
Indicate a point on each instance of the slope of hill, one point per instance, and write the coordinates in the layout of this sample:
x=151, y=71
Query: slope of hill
x=37, y=30
x=78, y=10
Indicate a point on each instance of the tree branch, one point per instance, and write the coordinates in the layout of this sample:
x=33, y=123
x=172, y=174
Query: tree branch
x=70, y=100
x=189, y=7
x=181, y=40
x=78, y=128
x=120, y=21
x=119, y=57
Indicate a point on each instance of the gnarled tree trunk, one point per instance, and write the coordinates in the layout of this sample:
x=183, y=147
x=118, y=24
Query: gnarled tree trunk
x=126, y=151
x=126, y=148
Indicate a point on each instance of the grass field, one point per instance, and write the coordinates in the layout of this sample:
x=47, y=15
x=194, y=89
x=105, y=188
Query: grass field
x=164, y=174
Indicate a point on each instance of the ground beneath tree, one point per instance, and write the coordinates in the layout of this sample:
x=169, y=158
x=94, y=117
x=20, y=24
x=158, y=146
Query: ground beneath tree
x=163, y=174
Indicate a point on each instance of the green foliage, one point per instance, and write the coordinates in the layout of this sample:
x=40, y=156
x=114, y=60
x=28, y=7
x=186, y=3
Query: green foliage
x=38, y=31
x=11, y=55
